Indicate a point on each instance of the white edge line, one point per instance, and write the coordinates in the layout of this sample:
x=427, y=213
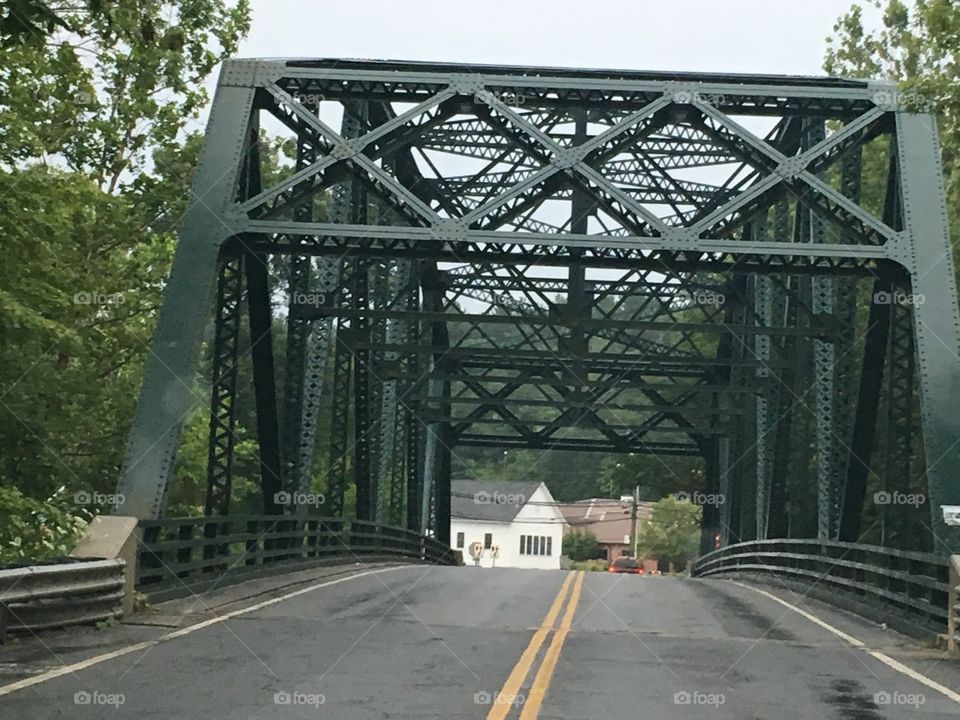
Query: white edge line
x=97, y=659
x=885, y=659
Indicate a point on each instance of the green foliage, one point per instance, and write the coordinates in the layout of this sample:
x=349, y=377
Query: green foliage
x=917, y=45
x=104, y=625
x=36, y=529
x=590, y=565
x=80, y=283
x=125, y=80
x=27, y=22
x=672, y=532
x=580, y=545
x=655, y=476
x=188, y=486
x=95, y=164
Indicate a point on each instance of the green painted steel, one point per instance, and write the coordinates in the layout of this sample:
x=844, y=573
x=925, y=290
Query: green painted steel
x=593, y=260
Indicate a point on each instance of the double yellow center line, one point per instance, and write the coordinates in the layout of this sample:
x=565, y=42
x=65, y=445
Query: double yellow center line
x=511, y=687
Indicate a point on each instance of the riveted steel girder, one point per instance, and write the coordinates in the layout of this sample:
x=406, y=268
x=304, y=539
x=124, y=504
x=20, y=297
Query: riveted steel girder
x=617, y=254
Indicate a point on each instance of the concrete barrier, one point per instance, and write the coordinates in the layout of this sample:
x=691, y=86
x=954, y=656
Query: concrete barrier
x=113, y=537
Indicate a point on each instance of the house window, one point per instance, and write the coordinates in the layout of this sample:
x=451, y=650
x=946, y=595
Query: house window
x=536, y=545
x=530, y=545
x=459, y=540
x=487, y=540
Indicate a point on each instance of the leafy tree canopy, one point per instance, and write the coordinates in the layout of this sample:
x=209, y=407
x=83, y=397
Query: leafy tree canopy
x=917, y=45
x=672, y=532
x=580, y=545
x=99, y=109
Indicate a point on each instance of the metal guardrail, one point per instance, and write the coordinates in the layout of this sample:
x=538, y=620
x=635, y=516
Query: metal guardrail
x=179, y=556
x=907, y=590
x=72, y=593
x=953, y=625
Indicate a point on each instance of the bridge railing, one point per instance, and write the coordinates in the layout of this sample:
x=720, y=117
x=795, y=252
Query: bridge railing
x=56, y=595
x=179, y=556
x=953, y=626
x=909, y=591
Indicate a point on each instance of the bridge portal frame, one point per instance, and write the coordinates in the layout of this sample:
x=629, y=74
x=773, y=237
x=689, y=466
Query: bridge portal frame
x=233, y=220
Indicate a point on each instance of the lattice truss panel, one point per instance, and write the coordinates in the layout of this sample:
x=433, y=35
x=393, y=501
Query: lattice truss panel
x=589, y=260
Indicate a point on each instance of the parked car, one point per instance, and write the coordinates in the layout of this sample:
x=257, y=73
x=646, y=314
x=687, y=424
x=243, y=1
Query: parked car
x=626, y=565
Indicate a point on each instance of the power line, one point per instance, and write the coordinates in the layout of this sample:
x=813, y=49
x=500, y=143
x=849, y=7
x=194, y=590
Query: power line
x=573, y=523
x=599, y=503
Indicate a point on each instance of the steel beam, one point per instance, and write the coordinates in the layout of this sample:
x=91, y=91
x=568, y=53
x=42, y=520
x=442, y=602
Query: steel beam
x=559, y=282
x=936, y=318
x=225, y=356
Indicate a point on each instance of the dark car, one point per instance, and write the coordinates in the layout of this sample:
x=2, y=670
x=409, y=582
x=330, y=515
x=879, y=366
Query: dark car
x=626, y=565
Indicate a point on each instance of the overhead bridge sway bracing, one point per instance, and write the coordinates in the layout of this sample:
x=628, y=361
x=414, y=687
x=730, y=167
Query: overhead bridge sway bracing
x=752, y=270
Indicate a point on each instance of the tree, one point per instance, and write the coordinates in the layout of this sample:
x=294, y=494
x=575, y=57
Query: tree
x=580, y=545
x=27, y=21
x=125, y=80
x=655, y=476
x=672, y=532
x=918, y=47
x=95, y=165
x=33, y=530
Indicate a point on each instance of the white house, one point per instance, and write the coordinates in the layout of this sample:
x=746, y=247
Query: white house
x=519, y=520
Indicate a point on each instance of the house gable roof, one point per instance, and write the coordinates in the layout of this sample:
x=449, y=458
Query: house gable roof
x=607, y=518
x=489, y=500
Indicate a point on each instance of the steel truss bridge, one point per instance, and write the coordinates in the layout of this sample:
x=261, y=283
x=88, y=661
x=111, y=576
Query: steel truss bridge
x=753, y=270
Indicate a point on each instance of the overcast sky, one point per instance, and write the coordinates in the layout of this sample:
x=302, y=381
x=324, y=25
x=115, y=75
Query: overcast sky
x=762, y=36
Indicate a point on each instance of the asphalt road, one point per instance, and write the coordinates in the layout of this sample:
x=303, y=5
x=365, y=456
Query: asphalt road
x=419, y=643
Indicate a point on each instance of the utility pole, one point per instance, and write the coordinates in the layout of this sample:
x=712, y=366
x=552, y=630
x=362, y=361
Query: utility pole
x=633, y=519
